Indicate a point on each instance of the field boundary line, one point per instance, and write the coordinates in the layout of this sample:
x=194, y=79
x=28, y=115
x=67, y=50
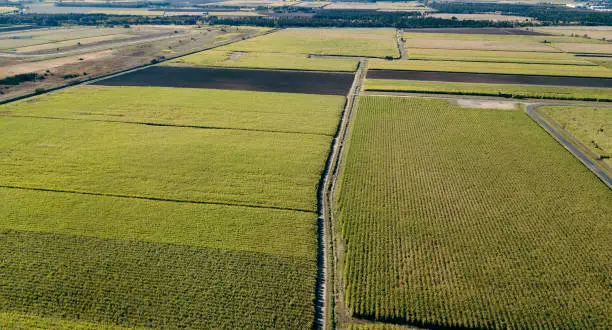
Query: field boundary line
x=563, y=138
x=125, y=71
x=326, y=294
x=166, y=125
x=158, y=199
x=609, y=78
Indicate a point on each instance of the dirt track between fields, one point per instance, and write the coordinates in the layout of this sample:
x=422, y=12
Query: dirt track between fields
x=490, y=78
x=326, y=83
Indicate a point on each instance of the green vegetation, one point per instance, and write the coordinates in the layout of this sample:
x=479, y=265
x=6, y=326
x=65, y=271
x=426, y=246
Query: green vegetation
x=517, y=91
x=495, y=56
x=590, y=125
x=498, y=37
x=503, y=68
x=267, y=61
x=474, y=218
x=12, y=320
x=204, y=225
x=112, y=215
x=351, y=42
x=189, y=106
x=223, y=166
x=132, y=283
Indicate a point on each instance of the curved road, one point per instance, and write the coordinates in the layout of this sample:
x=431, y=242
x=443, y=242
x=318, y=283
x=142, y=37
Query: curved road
x=602, y=175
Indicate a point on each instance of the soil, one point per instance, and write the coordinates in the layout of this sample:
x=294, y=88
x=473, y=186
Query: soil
x=490, y=78
x=327, y=83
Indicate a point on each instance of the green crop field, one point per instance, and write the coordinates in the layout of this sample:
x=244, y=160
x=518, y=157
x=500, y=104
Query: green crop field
x=189, y=106
x=475, y=218
x=499, y=37
x=590, y=125
x=496, y=56
x=350, y=42
x=161, y=207
x=267, y=61
x=520, y=91
x=503, y=68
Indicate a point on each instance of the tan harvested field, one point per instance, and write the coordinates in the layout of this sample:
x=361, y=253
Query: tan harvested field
x=585, y=48
x=597, y=32
x=496, y=56
x=97, y=62
x=253, y=3
x=8, y=9
x=501, y=45
x=381, y=5
x=484, y=17
x=313, y=4
x=234, y=13
x=27, y=67
x=76, y=42
x=134, y=12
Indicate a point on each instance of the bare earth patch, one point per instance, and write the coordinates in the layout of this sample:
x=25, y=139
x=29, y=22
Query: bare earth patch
x=28, y=67
x=486, y=104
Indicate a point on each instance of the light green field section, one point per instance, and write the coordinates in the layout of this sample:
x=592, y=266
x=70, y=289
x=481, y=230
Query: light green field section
x=113, y=216
x=350, y=42
x=153, y=285
x=202, y=165
x=590, y=125
x=204, y=225
x=503, y=68
x=476, y=218
x=188, y=106
x=496, y=56
x=524, y=91
x=267, y=61
x=499, y=37
x=12, y=320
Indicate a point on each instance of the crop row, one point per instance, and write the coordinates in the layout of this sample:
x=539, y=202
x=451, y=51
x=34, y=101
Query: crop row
x=474, y=218
x=503, y=90
x=494, y=67
x=134, y=283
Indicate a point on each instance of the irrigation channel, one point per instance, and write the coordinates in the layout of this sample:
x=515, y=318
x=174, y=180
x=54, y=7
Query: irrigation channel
x=325, y=294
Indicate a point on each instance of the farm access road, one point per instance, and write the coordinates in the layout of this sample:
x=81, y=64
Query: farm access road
x=560, y=136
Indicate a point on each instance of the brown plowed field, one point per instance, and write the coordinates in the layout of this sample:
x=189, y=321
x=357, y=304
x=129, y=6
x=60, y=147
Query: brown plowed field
x=495, y=31
x=328, y=83
x=490, y=78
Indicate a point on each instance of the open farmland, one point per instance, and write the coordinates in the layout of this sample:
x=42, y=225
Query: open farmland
x=162, y=207
x=484, y=17
x=495, y=42
x=597, y=32
x=592, y=126
x=226, y=58
x=470, y=218
x=350, y=42
x=490, y=78
x=71, y=64
x=516, y=90
x=492, y=67
x=496, y=56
